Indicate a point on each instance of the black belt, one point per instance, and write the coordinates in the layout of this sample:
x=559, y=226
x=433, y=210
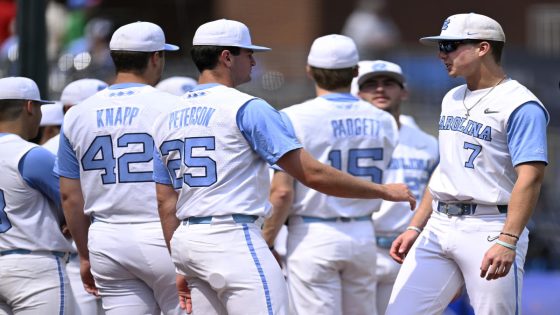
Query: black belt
x=458, y=209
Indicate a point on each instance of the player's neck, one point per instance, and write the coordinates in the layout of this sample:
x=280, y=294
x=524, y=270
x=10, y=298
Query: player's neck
x=320, y=91
x=486, y=77
x=16, y=127
x=129, y=77
x=211, y=76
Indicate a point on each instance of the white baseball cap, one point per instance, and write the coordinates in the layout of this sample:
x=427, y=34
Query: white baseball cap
x=177, y=85
x=333, y=52
x=225, y=33
x=140, y=36
x=20, y=88
x=373, y=68
x=52, y=114
x=79, y=90
x=467, y=26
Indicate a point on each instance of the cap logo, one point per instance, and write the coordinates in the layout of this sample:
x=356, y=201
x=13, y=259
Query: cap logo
x=445, y=24
x=379, y=67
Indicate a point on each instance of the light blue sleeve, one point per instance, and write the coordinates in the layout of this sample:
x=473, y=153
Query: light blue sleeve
x=36, y=168
x=266, y=131
x=161, y=174
x=67, y=162
x=526, y=132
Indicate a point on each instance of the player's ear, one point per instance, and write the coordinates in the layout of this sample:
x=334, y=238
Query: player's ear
x=308, y=72
x=484, y=48
x=28, y=107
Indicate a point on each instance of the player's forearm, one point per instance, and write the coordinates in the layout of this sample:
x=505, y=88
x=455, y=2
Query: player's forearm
x=281, y=198
x=167, y=202
x=73, y=206
x=524, y=197
x=328, y=180
x=423, y=212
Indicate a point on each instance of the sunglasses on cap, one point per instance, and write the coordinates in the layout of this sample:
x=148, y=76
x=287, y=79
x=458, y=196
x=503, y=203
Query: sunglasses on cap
x=448, y=46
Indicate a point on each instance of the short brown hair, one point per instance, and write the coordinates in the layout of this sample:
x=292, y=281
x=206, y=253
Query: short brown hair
x=331, y=79
x=10, y=109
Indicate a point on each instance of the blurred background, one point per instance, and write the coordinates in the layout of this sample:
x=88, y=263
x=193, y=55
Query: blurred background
x=58, y=41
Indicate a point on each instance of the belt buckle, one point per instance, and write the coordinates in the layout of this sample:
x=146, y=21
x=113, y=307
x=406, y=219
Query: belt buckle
x=452, y=210
x=345, y=219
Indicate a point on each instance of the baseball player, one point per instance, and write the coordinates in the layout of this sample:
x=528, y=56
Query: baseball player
x=331, y=241
x=72, y=94
x=177, y=85
x=212, y=179
x=105, y=164
x=33, y=250
x=49, y=127
x=382, y=84
x=471, y=227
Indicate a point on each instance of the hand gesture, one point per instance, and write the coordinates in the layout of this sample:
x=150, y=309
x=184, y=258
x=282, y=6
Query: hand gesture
x=184, y=292
x=400, y=192
x=497, y=262
x=87, y=277
x=402, y=244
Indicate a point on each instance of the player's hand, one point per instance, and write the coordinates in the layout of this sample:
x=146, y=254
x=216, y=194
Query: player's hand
x=400, y=192
x=277, y=257
x=402, y=244
x=87, y=277
x=184, y=292
x=497, y=262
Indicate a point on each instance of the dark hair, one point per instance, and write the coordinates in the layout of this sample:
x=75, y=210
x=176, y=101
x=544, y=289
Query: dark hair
x=206, y=57
x=131, y=61
x=331, y=79
x=497, y=49
x=10, y=109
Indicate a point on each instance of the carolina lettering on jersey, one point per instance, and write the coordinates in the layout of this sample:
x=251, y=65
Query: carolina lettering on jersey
x=355, y=127
x=411, y=164
x=116, y=116
x=468, y=127
x=191, y=116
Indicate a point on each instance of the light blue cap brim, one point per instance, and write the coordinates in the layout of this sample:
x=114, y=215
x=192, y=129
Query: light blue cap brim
x=170, y=47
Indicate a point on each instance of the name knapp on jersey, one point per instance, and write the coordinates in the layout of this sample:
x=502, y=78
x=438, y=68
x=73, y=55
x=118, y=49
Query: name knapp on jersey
x=116, y=116
x=190, y=116
x=355, y=127
x=468, y=127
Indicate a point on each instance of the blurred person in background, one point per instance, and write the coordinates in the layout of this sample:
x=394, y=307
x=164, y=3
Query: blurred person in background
x=177, y=85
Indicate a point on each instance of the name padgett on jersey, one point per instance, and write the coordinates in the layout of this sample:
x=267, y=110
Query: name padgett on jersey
x=359, y=126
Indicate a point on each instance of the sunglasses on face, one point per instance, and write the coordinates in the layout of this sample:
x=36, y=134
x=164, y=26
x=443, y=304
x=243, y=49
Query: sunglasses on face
x=448, y=46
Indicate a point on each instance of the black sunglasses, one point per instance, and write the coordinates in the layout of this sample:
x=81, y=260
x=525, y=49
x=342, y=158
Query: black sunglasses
x=448, y=46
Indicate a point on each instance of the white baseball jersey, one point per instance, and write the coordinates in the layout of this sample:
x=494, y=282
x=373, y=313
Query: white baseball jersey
x=27, y=218
x=108, y=135
x=477, y=148
x=52, y=144
x=413, y=161
x=205, y=130
x=352, y=136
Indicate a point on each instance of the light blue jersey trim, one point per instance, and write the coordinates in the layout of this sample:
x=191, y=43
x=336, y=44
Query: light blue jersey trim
x=526, y=133
x=61, y=285
x=259, y=268
x=161, y=174
x=126, y=85
x=340, y=97
x=67, y=163
x=265, y=130
x=36, y=169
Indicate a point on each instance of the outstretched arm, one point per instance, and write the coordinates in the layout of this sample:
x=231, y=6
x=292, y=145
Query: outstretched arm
x=328, y=180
